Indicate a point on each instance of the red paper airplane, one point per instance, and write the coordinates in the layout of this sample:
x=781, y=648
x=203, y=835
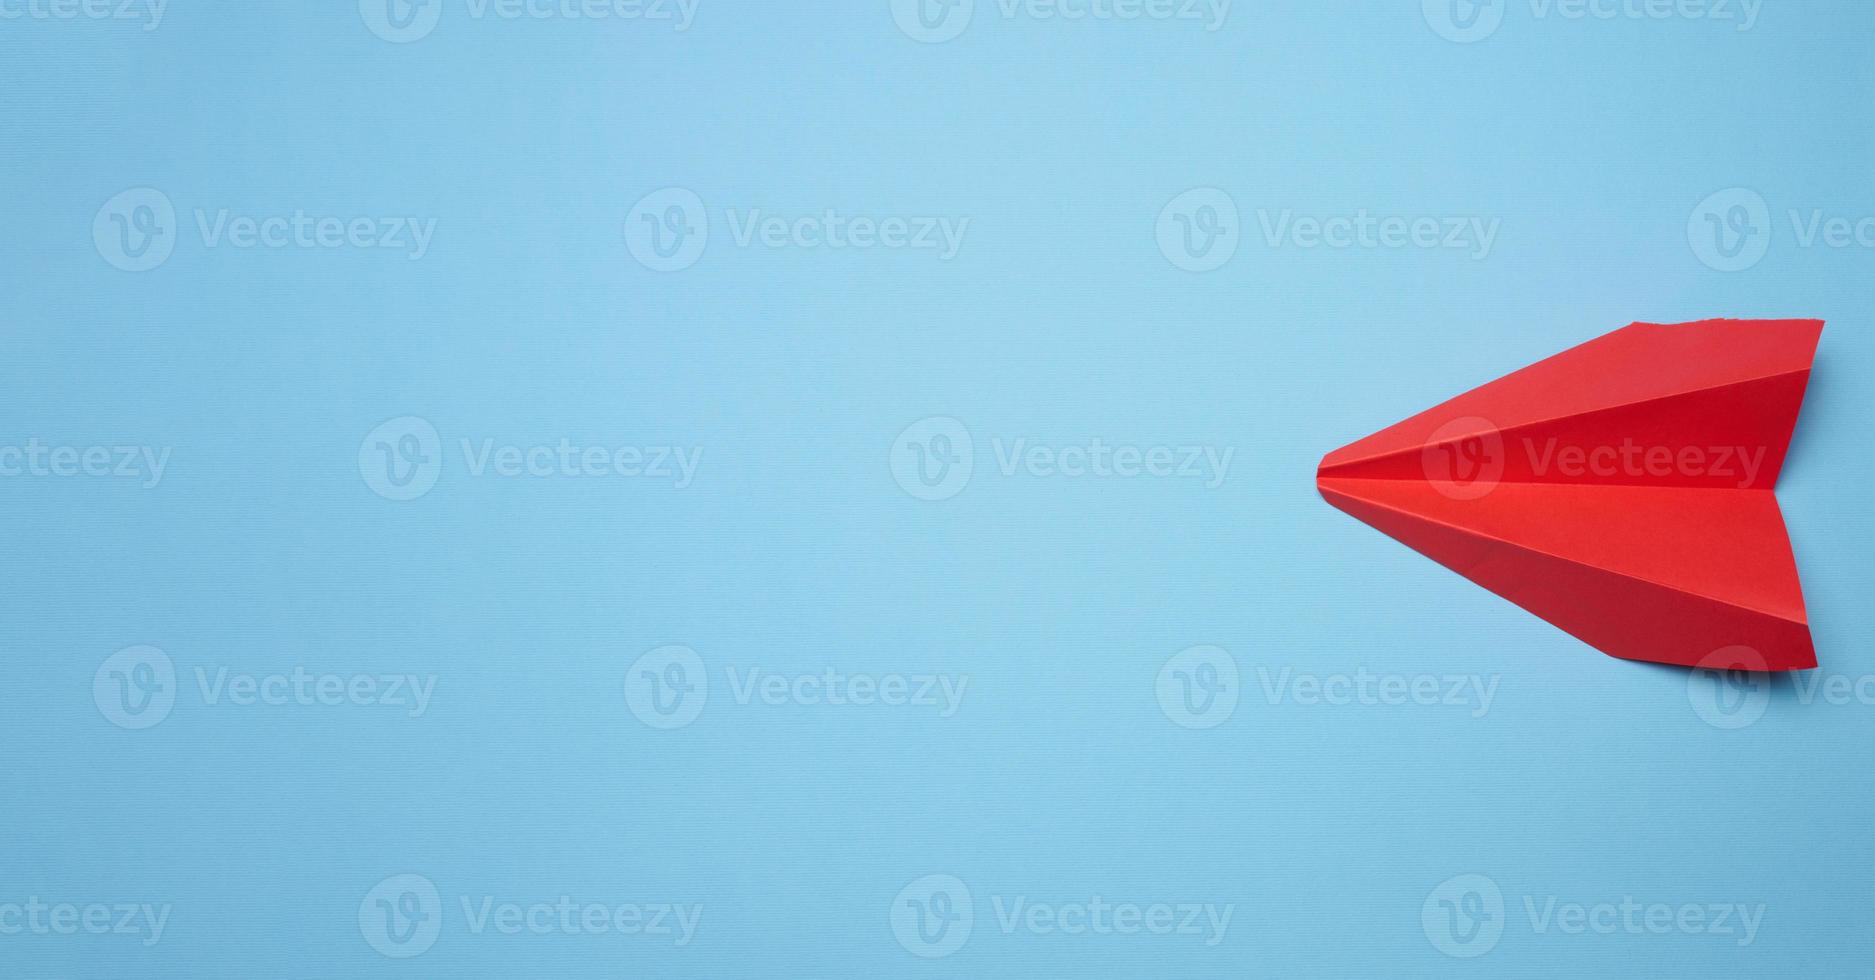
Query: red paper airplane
x=1621, y=490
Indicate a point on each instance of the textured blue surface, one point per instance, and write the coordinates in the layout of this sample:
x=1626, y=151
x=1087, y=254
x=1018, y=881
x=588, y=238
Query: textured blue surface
x=1094, y=236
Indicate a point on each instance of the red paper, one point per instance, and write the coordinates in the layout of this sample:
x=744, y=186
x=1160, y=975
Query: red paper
x=1621, y=490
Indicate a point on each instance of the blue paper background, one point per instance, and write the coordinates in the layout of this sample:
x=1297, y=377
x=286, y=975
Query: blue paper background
x=1589, y=143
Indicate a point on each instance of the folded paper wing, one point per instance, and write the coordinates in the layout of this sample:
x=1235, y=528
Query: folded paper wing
x=1621, y=490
